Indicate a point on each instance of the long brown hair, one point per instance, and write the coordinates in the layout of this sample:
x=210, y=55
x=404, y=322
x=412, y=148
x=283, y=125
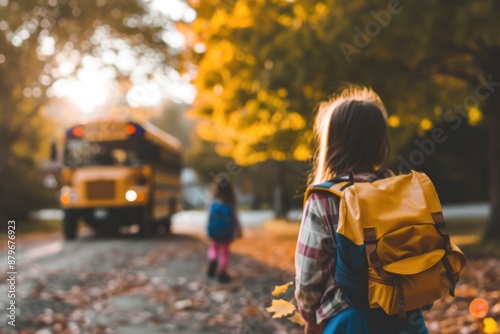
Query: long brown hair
x=351, y=133
x=222, y=188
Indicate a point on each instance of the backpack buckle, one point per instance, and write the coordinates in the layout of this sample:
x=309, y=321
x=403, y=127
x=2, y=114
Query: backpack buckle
x=370, y=241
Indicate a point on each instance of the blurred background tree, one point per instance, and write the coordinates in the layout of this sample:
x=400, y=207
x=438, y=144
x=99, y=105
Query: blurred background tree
x=263, y=66
x=44, y=43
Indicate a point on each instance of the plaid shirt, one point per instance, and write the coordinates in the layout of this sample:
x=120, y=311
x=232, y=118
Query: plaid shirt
x=317, y=295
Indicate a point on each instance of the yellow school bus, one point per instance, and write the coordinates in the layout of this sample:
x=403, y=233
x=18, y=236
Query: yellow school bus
x=118, y=173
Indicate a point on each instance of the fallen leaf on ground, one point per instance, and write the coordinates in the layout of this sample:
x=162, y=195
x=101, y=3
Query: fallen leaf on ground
x=297, y=319
x=281, y=308
x=183, y=304
x=279, y=289
x=490, y=326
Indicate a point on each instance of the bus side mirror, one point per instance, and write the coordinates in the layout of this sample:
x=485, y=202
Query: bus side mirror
x=53, y=151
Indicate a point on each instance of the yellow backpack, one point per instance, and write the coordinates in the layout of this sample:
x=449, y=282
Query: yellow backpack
x=391, y=234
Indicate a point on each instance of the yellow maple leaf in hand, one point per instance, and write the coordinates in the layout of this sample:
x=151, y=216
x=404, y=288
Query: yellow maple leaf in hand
x=297, y=319
x=281, y=308
x=279, y=289
x=490, y=326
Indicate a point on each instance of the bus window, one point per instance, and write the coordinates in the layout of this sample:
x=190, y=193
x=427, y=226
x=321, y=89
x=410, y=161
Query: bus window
x=119, y=156
x=83, y=153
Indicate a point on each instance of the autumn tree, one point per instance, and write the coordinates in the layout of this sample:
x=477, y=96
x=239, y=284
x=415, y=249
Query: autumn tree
x=264, y=65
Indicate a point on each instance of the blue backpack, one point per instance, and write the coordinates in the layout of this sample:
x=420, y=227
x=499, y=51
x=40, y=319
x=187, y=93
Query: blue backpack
x=220, y=222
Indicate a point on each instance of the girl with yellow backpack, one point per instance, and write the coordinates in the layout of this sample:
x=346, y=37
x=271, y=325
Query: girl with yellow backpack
x=372, y=252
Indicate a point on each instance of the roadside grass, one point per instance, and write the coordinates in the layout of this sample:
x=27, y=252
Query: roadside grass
x=282, y=228
x=468, y=234
x=38, y=226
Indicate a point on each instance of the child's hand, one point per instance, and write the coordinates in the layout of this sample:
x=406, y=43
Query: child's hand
x=313, y=328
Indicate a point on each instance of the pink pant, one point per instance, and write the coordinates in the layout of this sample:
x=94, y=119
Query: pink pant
x=219, y=251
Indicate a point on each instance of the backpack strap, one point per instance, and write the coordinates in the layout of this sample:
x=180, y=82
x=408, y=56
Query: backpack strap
x=398, y=283
x=370, y=236
x=337, y=185
x=440, y=224
x=330, y=186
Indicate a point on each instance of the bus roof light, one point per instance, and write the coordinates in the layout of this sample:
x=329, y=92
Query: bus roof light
x=77, y=131
x=130, y=129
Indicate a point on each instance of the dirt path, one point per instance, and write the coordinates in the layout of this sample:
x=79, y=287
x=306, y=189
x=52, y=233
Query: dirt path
x=132, y=285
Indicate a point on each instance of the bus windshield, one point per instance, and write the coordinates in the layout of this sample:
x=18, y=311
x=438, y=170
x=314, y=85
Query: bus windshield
x=85, y=153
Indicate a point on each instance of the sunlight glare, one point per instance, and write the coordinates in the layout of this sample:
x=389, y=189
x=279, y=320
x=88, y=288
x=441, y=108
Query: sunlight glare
x=144, y=95
x=174, y=39
x=90, y=89
x=175, y=9
x=66, y=68
x=47, y=46
x=90, y=93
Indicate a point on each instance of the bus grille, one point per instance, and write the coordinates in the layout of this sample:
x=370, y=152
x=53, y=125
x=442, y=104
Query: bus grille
x=97, y=190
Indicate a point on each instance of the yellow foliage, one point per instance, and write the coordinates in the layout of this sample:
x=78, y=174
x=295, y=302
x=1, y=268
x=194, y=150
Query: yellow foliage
x=219, y=53
x=426, y=124
x=252, y=105
x=279, y=289
x=278, y=156
x=263, y=114
x=490, y=326
x=281, y=308
x=394, y=121
x=297, y=121
x=277, y=117
x=285, y=20
x=224, y=149
x=255, y=85
x=248, y=159
x=299, y=12
x=301, y=153
x=297, y=319
x=218, y=20
x=475, y=116
x=438, y=111
x=277, y=102
x=282, y=92
x=242, y=16
x=308, y=91
x=17, y=92
x=250, y=60
x=22, y=149
x=218, y=89
x=264, y=129
x=205, y=131
x=321, y=8
x=262, y=95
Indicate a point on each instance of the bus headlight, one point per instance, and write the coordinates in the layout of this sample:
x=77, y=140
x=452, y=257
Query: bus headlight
x=131, y=195
x=65, y=198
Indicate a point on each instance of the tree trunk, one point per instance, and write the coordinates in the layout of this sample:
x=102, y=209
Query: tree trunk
x=492, y=231
x=5, y=109
x=281, y=196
